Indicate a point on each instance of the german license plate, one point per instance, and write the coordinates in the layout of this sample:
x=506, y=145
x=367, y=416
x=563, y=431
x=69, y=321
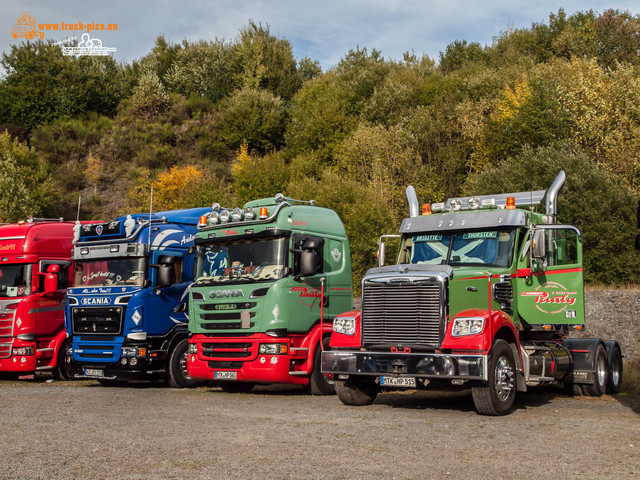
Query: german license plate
x=407, y=382
x=93, y=372
x=225, y=375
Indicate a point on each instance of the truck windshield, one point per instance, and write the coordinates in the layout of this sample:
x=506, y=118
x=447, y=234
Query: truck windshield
x=15, y=280
x=110, y=271
x=241, y=261
x=487, y=247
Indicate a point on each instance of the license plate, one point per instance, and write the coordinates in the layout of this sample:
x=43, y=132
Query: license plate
x=93, y=372
x=407, y=382
x=225, y=375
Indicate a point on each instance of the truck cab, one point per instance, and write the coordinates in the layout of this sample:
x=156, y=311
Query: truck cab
x=35, y=268
x=485, y=294
x=126, y=309
x=270, y=278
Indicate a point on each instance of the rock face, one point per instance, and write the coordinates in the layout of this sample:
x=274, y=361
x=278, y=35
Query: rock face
x=613, y=315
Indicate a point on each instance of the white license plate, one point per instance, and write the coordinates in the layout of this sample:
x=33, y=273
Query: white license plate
x=93, y=372
x=225, y=375
x=408, y=382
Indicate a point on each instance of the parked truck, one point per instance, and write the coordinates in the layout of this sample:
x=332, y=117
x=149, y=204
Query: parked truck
x=126, y=309
x=34, y=274
x=485, y=294
x=270, y=278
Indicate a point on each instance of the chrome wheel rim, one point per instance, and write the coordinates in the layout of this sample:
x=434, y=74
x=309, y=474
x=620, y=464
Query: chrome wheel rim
x=183, y=366
x=504, y=380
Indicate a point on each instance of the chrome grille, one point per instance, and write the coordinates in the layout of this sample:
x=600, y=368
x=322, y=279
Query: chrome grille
x=403, y=313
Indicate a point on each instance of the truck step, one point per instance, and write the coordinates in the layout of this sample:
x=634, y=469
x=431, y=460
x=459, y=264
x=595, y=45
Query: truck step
x=299, y=373
x=536, y=380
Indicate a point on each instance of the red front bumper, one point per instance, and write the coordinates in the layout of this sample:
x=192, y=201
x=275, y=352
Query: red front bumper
x=218, y=355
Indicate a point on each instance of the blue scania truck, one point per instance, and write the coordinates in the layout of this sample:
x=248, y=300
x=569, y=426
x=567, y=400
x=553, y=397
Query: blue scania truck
x=126, y=311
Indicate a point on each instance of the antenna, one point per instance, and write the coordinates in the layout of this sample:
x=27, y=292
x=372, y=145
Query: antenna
x=150, y=213
x=79, y=202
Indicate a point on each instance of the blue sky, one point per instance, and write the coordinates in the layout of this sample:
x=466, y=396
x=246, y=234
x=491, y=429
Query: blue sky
x=323, y=31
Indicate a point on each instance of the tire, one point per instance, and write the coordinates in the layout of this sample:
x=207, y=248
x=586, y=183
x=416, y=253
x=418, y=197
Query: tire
x=320, y=384
x=236, y=387
x=497, y=395
x=60, y=369
x=572, y=389
x=178, y=377
x=615, y=371
x=357, y=391
x=601, y=376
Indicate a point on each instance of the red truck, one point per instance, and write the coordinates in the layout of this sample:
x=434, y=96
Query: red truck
x=34, y=274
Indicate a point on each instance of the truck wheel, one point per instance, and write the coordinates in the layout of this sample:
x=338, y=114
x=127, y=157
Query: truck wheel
x=236, y=387
x=320, y=384
x=60, y=370
x=357, y=392
x=496, y=396
x=178, y=376
x=601, y=376
x=615, y=371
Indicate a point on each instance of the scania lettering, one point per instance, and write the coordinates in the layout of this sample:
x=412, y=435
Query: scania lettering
x=126, y=310
x=35, y=259
x=270, y=278
x=485, y=294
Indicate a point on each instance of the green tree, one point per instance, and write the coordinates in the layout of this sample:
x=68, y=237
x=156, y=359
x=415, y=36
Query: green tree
x=24, y=181
x=41, y=85
x=254, y=117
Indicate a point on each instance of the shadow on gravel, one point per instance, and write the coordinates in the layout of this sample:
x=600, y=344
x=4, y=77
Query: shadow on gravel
x=629, y=401
x=461, y=401
x=263, y=390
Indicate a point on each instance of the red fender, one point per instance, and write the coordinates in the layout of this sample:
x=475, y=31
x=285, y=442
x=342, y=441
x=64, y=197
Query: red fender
x=340, y=340
x=493, y=322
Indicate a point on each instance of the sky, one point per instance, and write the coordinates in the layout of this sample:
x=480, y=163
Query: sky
x=323, y=31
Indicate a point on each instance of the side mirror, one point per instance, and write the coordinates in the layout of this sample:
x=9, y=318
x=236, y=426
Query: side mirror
x=51, y=279
x=308, y=264
x=539, y=244
x=180, y=308
x=381, y=253
x=165, y=271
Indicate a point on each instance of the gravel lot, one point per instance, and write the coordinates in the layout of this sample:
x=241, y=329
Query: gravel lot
x=81, y=430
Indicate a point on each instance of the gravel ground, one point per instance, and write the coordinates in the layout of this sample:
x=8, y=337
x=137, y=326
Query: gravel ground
x=81, y=430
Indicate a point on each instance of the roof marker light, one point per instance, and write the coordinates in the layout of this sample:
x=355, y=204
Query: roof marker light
x=426, y=209
x=511, y=203
x=473, y=203
x=203, y=221
x=263, y=213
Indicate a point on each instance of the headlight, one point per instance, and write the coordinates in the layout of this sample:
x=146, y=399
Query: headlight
x=249, y=214
x=213, y=218
x=134, y=352
x=192, y=348
x=236, y=214
x=224, y=216
x=23, y=351
x=344, y=325
x=272, y=349
x=467, y=326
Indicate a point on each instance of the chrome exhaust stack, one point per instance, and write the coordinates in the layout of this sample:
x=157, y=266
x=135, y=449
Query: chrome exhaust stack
x=552, y=198
x=413, y=201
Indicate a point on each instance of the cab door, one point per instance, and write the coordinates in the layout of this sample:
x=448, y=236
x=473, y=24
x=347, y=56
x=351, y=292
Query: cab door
x=162, y=302
x=50, y=307
x=553, y=293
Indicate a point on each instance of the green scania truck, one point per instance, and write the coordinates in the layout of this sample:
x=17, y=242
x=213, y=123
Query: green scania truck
x=270, y=277
x=485, y=294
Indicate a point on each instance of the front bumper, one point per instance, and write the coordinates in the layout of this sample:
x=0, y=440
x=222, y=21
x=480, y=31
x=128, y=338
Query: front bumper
x=419, y=365
x=144, y=370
